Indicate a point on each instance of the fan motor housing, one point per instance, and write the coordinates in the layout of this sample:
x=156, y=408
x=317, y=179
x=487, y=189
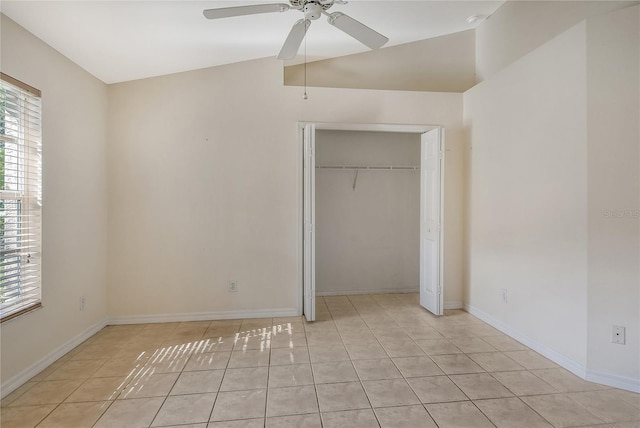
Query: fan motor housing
x=299, y=4
x=312, y=11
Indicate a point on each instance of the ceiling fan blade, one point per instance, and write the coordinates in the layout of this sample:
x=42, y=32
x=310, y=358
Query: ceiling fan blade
x=294, y=39
x=357, y=30
x=228, y=12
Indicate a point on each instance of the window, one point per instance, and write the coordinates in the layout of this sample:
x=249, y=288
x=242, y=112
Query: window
x=20, y=198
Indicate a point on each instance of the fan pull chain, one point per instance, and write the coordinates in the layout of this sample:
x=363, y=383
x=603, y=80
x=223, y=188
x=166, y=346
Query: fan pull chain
x=304, y=97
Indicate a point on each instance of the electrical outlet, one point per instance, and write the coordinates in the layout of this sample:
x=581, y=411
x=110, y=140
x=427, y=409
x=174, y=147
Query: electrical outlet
x=82, y=302
x=503, y=293
x=233, y=286
x=618, y=334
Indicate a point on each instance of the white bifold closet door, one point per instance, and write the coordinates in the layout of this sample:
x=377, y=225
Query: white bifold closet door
x=309, y=213
x=431, y=193
x=431, y=172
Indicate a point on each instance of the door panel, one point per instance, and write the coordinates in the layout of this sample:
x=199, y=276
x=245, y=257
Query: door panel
x=431, y=296
x=309, y=214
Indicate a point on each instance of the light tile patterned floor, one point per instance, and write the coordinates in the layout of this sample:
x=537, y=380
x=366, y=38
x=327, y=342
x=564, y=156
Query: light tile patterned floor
x=369, y=361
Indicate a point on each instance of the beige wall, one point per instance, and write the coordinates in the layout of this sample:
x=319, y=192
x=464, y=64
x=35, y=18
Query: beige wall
x=553, y=192
x=205, y=186
x=613, y=77
x=439, y=64
x=520, y=26
x=367, y=238
x=528, y=197
x=74, y=207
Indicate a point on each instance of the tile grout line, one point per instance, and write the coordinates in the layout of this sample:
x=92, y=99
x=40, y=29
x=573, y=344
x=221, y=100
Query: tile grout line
x=266, y=397
x=215, y=400
x=313, y=377
x=359, y=378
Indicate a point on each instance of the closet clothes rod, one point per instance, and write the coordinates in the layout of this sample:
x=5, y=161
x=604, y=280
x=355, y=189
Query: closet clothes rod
x=358, y=167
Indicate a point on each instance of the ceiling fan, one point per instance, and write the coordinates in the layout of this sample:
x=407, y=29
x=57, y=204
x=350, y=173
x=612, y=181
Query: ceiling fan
x=312, y=10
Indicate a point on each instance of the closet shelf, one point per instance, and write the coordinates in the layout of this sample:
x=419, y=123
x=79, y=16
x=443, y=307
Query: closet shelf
x=370, y=167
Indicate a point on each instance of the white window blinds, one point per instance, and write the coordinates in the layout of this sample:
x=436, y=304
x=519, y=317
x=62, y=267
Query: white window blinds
x=20, y=197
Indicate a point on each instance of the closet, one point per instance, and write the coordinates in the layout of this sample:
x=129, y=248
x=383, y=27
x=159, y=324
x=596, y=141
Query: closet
x=367, y=212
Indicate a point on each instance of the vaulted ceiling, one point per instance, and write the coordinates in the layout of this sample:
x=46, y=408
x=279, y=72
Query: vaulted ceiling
x=118, y=41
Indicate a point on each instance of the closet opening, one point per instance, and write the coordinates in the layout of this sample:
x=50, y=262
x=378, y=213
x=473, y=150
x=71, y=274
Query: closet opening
x=371, y=212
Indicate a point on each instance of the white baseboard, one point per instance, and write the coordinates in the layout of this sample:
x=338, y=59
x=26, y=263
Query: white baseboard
x=622, y=382
x=203, y=316
x=615, y=381
x=372, y=291
x=556, y=357
x=453, y=304
x=18, y=380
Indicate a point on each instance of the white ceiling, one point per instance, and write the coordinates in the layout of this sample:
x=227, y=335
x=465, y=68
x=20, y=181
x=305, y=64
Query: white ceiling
x=118, y=41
